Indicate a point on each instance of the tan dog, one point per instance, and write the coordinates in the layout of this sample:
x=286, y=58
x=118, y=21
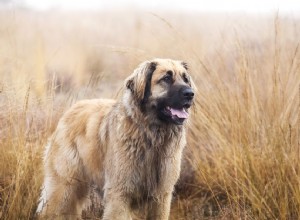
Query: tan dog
x=131, y=147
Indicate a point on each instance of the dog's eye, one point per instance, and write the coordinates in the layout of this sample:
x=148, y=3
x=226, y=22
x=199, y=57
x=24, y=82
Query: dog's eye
x=168, y=77
x=185, y=79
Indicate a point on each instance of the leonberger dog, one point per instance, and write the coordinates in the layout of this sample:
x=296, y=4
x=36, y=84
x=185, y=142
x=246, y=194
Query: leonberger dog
x=131, y=147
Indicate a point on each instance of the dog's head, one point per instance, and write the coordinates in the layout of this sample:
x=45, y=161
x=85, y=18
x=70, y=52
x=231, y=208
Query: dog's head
x=163, y=89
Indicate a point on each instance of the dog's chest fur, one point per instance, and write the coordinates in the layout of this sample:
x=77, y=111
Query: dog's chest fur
x=146, y=156
x=150, y=154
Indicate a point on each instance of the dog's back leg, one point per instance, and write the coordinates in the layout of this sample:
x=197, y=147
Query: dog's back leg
x=63, y=198
x=65, y=186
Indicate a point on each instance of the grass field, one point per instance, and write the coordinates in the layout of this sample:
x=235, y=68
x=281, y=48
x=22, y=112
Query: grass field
x=243, y=157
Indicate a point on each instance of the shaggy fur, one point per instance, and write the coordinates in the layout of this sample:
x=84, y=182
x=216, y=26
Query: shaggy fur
x=130, y=147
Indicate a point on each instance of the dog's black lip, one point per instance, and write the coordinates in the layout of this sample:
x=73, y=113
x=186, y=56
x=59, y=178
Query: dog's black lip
x=187, y=106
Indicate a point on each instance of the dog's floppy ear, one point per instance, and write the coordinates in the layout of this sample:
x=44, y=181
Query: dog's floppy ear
x=139, y=82
x=129, y=84
x=185, y=65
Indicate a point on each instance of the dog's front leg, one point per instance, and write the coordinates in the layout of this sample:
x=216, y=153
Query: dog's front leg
x=116, y=208
x=159, y=209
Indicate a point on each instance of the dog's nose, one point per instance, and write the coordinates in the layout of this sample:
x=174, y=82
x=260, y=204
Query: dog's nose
x=188, y=93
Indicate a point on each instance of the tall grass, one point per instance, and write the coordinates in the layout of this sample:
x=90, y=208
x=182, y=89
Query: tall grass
x=248, y=126
x=242, y=158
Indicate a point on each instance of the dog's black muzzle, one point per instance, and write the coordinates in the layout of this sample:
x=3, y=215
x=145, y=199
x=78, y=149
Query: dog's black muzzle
x=174, y=107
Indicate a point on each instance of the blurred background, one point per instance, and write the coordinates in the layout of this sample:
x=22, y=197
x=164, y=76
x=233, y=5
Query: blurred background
x=242, y=157
x=76, y=40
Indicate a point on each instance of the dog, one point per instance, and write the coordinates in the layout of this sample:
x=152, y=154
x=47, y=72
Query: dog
x=131, y=147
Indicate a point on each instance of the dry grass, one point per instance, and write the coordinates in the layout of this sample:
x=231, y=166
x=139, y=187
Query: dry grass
x=242, y=159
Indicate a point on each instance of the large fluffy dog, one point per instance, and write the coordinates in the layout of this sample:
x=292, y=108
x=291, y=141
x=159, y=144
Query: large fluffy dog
x=131, y=147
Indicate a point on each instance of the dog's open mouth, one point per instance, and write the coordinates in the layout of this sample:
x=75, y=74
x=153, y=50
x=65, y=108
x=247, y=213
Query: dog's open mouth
x=176, y=115
x=179, y=113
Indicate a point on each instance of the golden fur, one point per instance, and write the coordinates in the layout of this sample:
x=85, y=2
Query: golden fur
x=120, y=146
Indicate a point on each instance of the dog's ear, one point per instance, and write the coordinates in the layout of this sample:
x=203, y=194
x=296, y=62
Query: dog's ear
x=185, y=65
x=139, y=82
x=129, y=84
x=147, y=82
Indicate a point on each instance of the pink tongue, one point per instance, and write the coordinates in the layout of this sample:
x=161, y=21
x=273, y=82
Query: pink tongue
x=179, y=113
